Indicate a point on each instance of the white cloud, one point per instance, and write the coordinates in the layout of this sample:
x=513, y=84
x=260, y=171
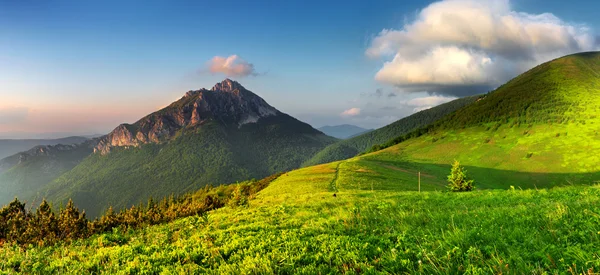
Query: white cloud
x=351, y=112
x=232, y=66
x=441, y=66
x=456, y=43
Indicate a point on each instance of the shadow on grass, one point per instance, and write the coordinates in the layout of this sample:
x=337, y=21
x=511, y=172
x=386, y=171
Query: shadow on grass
x=435, y=175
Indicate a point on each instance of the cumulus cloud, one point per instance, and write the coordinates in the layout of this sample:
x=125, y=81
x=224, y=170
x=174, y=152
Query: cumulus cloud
x=13, y=115
x=351, y=112
x=231, y=66
x=459, y=47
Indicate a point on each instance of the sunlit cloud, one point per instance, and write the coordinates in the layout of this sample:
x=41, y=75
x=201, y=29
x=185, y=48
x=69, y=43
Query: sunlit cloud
x=459, y=47
x=231, y=66
x=351, y=112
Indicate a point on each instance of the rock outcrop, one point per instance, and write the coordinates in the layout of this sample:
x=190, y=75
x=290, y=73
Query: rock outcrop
x=227, y=102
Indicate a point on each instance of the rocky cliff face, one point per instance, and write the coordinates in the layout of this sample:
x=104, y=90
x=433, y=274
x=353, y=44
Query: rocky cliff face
x=227, y=102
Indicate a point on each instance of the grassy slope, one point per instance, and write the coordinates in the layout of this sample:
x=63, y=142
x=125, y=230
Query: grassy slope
x=211, y=154
x=353, y=146
x=296, y=225
x=540, y=129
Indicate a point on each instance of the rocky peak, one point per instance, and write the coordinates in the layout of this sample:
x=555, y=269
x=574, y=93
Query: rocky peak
x=227, y=103
x=228, y=85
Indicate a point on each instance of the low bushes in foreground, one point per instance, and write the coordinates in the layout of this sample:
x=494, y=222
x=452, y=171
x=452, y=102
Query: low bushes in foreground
x=44, y=227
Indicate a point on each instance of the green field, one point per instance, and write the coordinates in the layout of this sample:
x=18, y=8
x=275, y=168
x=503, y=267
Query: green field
x=297, y=225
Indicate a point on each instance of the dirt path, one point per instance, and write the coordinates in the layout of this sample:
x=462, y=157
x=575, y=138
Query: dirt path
x=333, y=183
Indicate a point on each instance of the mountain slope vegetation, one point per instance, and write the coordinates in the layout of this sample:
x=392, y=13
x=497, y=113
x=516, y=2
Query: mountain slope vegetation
x=353, y=146
x=209, y=137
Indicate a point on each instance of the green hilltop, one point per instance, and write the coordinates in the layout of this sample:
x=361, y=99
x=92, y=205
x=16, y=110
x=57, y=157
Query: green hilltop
x=540, y=129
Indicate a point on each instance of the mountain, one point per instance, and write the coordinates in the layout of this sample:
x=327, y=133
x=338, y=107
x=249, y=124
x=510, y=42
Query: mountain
x=343, y=131
x=10, y=147
x=538, y=130
x=353, y=146
x=222, y=135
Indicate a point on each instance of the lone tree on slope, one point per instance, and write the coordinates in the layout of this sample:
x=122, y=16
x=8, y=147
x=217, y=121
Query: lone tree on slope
x=458, y=181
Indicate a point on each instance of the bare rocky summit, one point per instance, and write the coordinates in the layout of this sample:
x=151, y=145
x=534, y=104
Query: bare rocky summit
x=227, y=102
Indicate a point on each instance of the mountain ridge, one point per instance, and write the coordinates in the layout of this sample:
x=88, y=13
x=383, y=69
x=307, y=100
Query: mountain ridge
x=343, y=131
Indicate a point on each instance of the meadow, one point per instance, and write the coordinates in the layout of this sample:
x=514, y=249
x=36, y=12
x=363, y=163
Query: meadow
x=369, y=227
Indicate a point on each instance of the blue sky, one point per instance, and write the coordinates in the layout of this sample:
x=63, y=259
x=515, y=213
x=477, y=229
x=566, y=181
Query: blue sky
x=79, y=67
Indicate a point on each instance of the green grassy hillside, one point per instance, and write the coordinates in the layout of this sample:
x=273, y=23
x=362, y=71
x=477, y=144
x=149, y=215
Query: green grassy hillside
x=539, y=129
x=353, y=146
x=211, y=154
x=297, y=225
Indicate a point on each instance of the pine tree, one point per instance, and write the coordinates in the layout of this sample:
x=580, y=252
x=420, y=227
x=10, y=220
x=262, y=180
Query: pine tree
x=43, y=227
x=71, y=223
x=14, y=220
x=458, y=181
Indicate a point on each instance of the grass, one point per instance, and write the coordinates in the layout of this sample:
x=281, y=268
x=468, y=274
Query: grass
x=296, y=225
x=538, y=156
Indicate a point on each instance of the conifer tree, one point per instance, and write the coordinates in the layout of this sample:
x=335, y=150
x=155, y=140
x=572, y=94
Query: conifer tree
x=71, y=223
x=44, y=227
x=458, y=181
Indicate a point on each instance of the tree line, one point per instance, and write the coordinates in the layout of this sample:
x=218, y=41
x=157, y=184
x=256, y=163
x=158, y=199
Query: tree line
x=44, y=226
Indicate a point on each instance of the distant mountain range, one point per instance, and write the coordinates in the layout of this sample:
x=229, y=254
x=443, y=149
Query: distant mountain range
x=222, y=135
x=12, y=146
x=343, y=131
